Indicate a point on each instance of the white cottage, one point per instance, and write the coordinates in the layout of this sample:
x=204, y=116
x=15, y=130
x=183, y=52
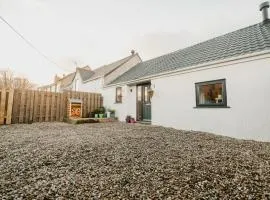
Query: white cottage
x=221, y=86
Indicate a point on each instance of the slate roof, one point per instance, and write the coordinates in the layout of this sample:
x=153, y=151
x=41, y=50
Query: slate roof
x=67, y=80
x=85, y=73
x=251, y=39
x=106, y=69
x=64, y=82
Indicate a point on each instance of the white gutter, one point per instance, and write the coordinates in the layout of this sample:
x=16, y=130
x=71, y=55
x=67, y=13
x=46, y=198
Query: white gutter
x=209, y=65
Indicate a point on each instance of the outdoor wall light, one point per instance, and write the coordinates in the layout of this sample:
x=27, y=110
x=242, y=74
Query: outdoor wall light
x=151, y=92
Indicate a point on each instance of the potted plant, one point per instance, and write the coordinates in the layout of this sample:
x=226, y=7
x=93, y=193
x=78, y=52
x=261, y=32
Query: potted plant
x=128, y=118
x=101, y=112
x=96, y=113
x=108, y=113
x=112, y=113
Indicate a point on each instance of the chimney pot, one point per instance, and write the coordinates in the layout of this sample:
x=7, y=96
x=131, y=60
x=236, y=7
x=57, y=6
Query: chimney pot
x=264, y=8
x=132, y=52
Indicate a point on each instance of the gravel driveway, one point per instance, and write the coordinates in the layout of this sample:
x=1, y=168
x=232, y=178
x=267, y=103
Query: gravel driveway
x=127, y=161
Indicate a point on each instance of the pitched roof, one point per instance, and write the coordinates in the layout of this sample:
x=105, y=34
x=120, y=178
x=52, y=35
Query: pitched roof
x=64, y=82
x=85, y=73
x=67, y=80
x=251, y=39
x=106, y=69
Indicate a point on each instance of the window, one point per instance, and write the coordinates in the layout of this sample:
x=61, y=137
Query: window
x=211, y=94
x=118, y=96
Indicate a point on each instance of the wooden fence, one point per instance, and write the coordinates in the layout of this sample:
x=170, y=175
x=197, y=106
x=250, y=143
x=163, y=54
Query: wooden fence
x=38, y=106
x=6, y=102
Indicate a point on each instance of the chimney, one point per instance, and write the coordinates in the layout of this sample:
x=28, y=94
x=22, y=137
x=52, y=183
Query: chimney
x=132, y=52
x=264, y=8
x=87, y=68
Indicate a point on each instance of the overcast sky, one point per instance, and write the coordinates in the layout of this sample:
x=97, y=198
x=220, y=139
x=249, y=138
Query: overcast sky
x=97, y=32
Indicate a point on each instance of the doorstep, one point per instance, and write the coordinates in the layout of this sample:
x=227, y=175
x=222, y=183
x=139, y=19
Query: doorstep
x=90, y=120
x=145, y=122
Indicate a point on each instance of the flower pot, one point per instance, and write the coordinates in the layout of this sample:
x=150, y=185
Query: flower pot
x=101, y=115
x=112, y=115
x=96, y=115
x=108, y=114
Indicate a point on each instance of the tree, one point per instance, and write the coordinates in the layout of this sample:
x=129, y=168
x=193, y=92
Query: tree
x=8, y=80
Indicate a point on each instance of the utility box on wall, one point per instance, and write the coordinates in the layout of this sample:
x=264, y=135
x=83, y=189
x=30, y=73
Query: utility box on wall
x=74, y=108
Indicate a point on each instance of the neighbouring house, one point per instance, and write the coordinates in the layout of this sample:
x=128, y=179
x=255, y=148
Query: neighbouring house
x=94, y=81
x=88, y=80
x=221, y=86
x=60, y=84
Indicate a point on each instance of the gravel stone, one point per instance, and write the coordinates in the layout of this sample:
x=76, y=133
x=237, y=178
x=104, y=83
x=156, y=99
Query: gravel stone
x=128, y=161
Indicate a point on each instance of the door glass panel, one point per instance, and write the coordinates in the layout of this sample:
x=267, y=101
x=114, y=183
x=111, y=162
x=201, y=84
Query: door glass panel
x=139, y=93
x=145, y=94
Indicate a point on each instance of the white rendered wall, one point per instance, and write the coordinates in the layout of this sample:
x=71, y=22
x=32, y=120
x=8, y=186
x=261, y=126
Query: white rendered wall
x=248, y=95
x=95, y=86
x=128, y=105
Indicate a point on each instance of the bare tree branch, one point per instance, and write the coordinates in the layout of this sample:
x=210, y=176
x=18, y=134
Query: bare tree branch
x=8, y=80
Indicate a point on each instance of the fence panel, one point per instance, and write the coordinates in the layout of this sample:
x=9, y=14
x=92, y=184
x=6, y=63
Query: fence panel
x=27, y=106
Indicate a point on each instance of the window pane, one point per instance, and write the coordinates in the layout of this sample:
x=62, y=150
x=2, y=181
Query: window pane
x=211, y=94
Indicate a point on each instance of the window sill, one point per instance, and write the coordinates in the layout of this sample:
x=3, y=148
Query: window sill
x=198, y=107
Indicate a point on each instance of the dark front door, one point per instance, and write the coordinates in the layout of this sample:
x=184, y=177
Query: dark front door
x=143, y=103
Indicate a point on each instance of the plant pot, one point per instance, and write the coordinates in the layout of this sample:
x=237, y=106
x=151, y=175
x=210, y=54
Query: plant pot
x=91, y=115
x=112, y=115
x=96, y=115
x=128, y=119
x=132, y=120
x=101, y=115
x=108, y=114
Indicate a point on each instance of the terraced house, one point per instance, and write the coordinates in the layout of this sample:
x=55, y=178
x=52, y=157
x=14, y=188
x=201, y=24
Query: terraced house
x=221, y=86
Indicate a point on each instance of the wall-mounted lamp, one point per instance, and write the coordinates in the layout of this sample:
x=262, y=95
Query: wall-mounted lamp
x=151, y=91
